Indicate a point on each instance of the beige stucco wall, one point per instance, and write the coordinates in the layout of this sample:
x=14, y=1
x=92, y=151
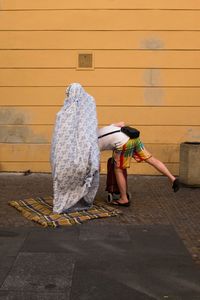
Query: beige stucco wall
x=146, y=71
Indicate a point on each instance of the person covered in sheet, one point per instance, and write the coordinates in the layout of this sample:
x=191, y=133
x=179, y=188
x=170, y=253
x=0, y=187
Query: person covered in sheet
x=75, y=152
x=124, y=148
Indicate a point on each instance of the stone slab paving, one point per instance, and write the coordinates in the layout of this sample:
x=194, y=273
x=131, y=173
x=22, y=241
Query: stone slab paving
x=40, y=272
x=158, y=237
x=98, y=261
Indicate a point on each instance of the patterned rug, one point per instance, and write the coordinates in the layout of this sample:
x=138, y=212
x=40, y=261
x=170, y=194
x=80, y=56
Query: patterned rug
x=40, y=210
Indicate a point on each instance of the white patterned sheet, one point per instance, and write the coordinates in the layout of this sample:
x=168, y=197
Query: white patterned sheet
x=75, y=152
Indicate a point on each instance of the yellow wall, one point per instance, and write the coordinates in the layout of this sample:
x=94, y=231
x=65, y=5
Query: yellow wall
x=146, y=72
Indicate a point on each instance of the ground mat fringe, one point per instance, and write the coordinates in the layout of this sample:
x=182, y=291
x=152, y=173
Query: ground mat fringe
x=40, y=210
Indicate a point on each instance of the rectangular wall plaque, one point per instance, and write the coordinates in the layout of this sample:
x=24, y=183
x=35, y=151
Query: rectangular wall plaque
x=85, y=61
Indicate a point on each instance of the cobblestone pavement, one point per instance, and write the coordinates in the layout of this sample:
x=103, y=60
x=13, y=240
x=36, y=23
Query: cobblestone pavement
x=153, y=202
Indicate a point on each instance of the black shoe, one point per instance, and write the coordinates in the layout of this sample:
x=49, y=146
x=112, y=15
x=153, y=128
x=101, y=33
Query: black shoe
x=117, y=203
x=176, y=185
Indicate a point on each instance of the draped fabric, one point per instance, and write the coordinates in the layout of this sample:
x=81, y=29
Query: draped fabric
x=75, y=152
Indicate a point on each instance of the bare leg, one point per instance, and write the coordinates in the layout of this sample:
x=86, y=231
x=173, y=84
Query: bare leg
x=121, y=182
x=158, y=165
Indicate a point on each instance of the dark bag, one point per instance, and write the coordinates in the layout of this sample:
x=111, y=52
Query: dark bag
x=133, y=133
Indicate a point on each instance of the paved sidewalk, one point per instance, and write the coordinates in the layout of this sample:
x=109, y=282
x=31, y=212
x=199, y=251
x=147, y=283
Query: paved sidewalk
x=153, y=202
x=151, y=251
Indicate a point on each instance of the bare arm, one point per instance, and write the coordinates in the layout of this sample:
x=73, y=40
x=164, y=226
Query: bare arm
x=120, y=124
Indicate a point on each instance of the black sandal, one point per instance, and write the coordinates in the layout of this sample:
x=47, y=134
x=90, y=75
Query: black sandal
x=116, y=203
x=176, y=185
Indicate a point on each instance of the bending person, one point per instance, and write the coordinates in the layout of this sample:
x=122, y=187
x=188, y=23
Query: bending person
x=75, y=152
x=124, y=149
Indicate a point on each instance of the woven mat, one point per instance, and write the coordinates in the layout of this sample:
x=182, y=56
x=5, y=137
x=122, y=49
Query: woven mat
x=40, y=210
